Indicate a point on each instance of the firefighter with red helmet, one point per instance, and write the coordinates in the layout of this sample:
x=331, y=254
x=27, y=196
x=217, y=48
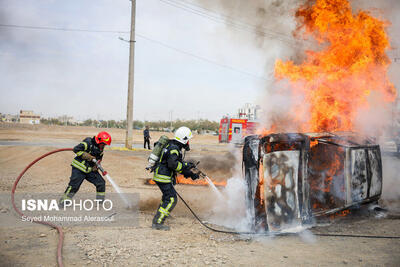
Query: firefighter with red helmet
x=83, y=167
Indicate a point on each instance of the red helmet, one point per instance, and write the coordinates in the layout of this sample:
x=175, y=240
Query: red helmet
x=103, y=137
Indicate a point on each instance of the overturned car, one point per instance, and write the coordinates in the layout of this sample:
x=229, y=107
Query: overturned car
x=293, y=178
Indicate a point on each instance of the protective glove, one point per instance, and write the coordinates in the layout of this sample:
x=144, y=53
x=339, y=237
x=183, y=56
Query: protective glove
x=94, y=168
x=189, y=165
x=194, y=176
x=87, y=156
x=186, y=173
x=186, y=169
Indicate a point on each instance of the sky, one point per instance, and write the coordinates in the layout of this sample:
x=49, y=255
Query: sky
x=85, y=74
x=187, y=62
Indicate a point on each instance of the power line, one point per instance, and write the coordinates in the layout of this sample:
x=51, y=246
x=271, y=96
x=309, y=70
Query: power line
x=218, y=14
x=202, y=58
x=58, y=29
x=139, y=35
x=208, y=9
x=217, y=18
x=233, y=22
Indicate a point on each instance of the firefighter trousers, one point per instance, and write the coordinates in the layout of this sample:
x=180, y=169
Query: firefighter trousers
x=78, y=176
x=168, y=202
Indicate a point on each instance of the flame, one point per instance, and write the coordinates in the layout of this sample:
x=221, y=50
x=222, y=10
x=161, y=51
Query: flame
x=349, y=66
x=313, y=143
x=180, y=179
x=327, y=187
x=342, y=213
x=260, y=186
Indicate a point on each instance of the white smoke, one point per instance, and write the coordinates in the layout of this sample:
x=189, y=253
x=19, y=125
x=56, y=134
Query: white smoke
x=391, y=183
x=231, y=210
x=307, y=236
x=265, y=25
x=276, y=103
x=375, y=119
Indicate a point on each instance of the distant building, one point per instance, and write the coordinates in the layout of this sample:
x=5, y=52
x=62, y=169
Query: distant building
x=28, y=117
x=66, y=120
x=249, y=112
x=8, y=118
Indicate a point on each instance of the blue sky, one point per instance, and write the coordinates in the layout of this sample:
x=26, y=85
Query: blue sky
x=85, y=74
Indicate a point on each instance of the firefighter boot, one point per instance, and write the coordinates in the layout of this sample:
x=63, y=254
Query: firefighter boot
x=61, y=202
x=158, y=222
x=160, y=226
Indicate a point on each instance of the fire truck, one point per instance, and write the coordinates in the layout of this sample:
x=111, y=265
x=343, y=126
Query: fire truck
x=234, y=130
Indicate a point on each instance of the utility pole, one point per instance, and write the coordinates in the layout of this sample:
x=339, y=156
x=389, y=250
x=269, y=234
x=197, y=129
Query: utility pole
x=129, y=110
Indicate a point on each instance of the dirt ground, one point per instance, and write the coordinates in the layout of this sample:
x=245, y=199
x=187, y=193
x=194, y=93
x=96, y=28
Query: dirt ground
x=188, y=243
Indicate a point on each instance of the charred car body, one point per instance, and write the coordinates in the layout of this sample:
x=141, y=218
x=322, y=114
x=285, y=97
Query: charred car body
x=293, y=178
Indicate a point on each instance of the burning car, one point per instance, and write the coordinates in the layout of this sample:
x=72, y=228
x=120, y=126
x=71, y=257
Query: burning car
x=293, y=178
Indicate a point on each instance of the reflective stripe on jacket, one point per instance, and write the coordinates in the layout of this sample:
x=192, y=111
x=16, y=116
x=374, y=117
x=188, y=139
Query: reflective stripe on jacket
x=88, y=145
x=170, y=163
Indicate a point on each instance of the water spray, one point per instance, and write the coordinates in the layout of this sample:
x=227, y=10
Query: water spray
x=116, y=187
x=210, y=182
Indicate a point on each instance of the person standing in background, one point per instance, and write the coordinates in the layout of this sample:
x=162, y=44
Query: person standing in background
x=146, y=135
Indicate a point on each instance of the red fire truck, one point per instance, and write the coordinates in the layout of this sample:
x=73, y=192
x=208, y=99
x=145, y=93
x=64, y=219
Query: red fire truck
x=233, y=130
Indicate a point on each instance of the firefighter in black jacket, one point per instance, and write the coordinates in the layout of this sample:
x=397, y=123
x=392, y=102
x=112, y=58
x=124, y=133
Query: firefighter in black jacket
x=169, y=165
x=83, y=166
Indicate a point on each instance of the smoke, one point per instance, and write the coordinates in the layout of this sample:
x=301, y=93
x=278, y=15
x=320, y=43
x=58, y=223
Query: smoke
x=382, y=115
x=307, y=237
x=277, y=100
x=373, y=120
x=231, y=211
x=265, y=25
x=225, y=163
x=391, y=183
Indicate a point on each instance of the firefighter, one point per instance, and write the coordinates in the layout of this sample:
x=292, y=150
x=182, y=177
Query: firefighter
x=83, y=166
x=169, y=164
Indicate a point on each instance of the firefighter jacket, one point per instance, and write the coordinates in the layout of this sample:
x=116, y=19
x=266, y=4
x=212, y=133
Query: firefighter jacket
x=90, y=146
x=170, y=163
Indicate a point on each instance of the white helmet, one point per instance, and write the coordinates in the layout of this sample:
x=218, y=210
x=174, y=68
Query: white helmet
x=183, y=135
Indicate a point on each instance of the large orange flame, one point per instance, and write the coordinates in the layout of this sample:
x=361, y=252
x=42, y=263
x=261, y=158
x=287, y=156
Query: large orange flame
x=350, y=65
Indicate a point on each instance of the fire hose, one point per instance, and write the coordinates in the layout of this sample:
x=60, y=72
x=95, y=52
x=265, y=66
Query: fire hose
x=59, y=229
x=271, y=234
x=267, y=233
x=61, y=234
